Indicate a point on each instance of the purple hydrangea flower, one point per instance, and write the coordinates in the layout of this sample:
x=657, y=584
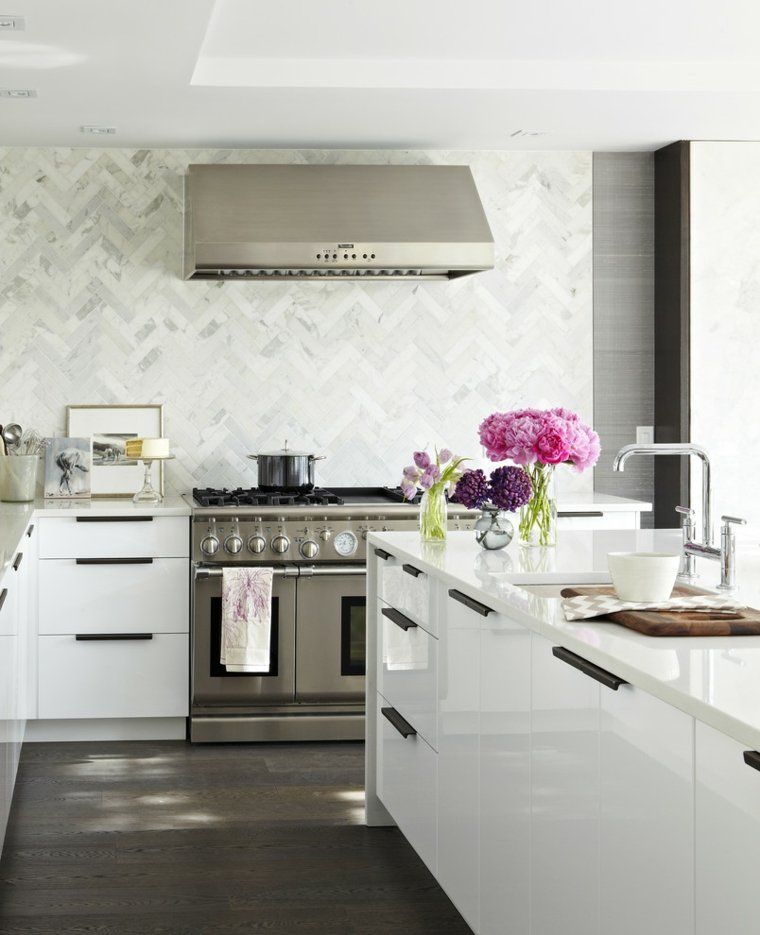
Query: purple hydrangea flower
x=511, y=488
x=472, y=489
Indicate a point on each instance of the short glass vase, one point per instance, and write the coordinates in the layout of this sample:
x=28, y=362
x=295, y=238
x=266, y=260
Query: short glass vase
x=493, y=529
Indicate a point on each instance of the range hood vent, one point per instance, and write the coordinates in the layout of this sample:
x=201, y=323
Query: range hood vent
x=336, y=222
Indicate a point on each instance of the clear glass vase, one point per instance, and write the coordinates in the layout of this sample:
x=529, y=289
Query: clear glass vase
x=433, y=515
x=538, y=518
x=493, y=528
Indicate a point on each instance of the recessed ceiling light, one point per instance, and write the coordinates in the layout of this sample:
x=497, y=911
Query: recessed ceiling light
x=18, y=92
x=98, y=131
x=9, y=23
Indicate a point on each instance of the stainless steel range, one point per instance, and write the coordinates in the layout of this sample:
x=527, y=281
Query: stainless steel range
x=315, y=543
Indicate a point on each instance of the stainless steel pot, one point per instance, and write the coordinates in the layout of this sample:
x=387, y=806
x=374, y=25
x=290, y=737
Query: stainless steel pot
x=286, y=469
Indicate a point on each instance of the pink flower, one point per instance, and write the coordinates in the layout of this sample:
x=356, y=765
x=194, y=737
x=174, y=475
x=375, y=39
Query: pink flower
x=584, y=447
x=521, y=436
x=551, y=445
x=421, y=459
x=491, y=434
x=411, y=472
x=444, y=456
x=408, y=489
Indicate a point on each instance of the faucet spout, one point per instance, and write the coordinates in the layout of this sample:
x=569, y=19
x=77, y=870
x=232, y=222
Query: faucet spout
x=676, y=448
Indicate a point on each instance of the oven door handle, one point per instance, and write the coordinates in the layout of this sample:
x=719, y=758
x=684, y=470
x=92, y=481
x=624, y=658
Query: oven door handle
x=309, y=571
x=288, y=571
x=215, y=571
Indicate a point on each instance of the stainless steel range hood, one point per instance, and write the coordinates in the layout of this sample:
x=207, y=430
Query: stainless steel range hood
x=333, y=222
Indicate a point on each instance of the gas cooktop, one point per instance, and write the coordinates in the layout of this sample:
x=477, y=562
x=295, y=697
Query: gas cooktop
x=318, y=496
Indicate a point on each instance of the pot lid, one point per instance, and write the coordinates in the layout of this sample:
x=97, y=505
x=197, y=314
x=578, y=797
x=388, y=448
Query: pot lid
x=284, y=452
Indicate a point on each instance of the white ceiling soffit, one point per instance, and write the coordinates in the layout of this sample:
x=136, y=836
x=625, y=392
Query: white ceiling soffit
x=411, y=74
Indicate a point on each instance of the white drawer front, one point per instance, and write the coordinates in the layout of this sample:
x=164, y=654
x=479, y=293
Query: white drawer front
x=113, y=537
x=407, y=776
x=464, y=612
x=113, y=678
x=120, y=598
x=408, y=671
x=404, y=586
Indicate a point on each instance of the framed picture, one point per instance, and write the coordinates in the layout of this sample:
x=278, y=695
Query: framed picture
x=68, y=465
x=109, y=427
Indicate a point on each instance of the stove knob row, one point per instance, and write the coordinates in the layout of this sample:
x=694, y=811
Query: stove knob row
x=309, y=548
x=209, y=545
x=280, y=544
x=233, y=544
x=257, y=544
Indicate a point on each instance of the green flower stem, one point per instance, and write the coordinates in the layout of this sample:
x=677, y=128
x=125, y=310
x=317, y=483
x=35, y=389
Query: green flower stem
x=537, y=517
x=433, y=514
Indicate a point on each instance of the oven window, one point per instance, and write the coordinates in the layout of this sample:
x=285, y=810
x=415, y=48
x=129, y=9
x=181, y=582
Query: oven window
x=216, y=669
x=353, y=642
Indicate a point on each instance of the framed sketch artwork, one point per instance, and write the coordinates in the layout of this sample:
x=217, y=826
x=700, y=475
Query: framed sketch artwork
x=67, y=468
x=109, y=427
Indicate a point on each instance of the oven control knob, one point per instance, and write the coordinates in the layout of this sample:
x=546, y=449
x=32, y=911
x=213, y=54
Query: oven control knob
x=209, y=545
x=257, y=544
x=325, y=534
x=233, y=544
x=309, y=548
x=280, y=544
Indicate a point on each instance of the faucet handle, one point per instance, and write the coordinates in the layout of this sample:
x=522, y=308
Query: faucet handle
x=727, y=520
x=688, y=516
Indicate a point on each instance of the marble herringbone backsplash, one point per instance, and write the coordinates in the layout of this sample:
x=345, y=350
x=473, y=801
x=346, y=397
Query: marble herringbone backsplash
x=93, y=310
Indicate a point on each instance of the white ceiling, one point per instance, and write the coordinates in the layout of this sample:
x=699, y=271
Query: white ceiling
x=400, y=74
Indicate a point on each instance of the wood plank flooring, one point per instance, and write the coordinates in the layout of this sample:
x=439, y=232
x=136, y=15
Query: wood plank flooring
x=168, y=838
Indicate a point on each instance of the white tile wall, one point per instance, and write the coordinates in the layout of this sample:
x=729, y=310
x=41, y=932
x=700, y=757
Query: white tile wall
x=93, y=310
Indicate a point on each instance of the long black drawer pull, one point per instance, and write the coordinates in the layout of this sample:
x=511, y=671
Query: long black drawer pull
x=588, y=668
x=381, y=553
x=398, y=618
x=596, y=514
x=401, y=724
x=3, y=595
x=114, y=561
x=85, y=637
x=29, y=531
x=17, y=561
x=752, y=758
x=411, y=570
x=114, y=519
x=471, y=603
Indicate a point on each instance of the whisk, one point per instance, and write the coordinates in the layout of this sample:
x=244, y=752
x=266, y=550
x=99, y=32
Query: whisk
x=32, y=443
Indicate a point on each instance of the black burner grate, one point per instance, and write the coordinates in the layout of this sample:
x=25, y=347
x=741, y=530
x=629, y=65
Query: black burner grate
x=253, y=496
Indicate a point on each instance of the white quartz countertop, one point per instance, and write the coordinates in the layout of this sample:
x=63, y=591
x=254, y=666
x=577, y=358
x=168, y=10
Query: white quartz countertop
x=715, y=679
x=15, y=517
x=578, y=502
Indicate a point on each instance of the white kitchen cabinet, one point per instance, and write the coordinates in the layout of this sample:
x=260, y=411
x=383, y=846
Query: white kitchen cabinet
x=113, y=617
x=646, y=838
x=727, y=835
x=10, y=742
x=505, y=813
x=407, y=771
x=564, y=806
x=407, y=588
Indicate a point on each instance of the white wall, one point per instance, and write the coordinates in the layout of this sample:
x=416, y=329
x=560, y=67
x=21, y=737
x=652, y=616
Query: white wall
x=93, y=310
x=725, y=324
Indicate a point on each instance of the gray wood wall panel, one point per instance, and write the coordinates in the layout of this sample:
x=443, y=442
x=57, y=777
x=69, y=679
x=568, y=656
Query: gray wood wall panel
x=623, y=254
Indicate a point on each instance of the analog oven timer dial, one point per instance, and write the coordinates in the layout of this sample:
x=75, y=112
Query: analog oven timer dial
x=345, y=543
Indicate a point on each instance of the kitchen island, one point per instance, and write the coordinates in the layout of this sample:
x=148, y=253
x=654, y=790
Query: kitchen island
x=550, y=798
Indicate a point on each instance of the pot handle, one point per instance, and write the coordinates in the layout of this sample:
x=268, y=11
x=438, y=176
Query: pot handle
x=254, y=457
x=317, y=457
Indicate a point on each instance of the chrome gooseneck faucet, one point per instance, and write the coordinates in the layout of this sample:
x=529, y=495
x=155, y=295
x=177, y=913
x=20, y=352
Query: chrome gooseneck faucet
x=677, y=448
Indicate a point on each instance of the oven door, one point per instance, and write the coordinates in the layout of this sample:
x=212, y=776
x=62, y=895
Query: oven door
x=212, y=684
x=331, y=633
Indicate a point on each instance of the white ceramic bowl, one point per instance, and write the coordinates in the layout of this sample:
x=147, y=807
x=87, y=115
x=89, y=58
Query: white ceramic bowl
x=643, y=576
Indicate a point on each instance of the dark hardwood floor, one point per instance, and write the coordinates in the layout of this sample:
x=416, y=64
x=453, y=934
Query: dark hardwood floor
x=165, y=838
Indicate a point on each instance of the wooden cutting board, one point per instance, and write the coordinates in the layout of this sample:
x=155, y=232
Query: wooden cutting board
x=745, y=622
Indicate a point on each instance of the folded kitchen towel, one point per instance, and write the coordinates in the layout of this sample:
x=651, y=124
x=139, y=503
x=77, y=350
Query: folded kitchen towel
x=246, y=619
x=585, y=606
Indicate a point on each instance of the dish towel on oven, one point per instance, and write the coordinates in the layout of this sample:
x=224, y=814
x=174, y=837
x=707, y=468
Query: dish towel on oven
x=246, y=619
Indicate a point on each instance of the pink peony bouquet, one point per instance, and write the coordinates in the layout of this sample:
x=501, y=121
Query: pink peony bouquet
x=546, y=436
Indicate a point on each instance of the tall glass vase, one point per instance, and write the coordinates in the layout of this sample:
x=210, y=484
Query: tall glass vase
x=433, y=515
x=538, y=518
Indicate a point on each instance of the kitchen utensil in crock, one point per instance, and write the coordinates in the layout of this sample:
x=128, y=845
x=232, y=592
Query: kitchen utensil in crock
x=12, y=433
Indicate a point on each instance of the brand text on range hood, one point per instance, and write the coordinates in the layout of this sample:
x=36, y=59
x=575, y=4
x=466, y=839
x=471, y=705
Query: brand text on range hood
x=334, y=222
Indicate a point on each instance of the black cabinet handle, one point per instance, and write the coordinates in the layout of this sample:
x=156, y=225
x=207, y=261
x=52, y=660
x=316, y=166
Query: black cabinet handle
x=398, y=618
x=401, y=724
x=752, y=758
x=411, y=570
x=17, y=561
x=381, y=553
x=588, y=668
x=114, y=561
x=114, y=519
x=84, y=637
x=471, y=603
x=3, y=595
x=595, y=513
x=29, y=531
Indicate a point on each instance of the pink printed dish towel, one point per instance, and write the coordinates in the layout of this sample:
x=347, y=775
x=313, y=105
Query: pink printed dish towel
x=246, y=619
